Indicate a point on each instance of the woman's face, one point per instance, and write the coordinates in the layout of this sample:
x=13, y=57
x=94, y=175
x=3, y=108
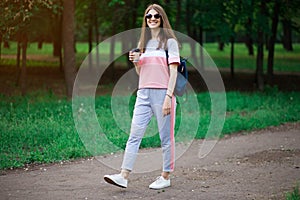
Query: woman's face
x=153, y=19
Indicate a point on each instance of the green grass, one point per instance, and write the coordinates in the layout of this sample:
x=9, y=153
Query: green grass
x=294, y=195
x=284, y=61
x=39, y=127
x=32, y=63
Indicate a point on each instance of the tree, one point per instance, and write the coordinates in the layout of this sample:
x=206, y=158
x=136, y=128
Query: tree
x=247, y=22
x=15, y=20
x=261, y=29
x=290, y=19
x=196, y=18
x=68, y=45
x=232, y=12
x=23, y=20
x=287, y=35
x=56, y=29
x=272, y=39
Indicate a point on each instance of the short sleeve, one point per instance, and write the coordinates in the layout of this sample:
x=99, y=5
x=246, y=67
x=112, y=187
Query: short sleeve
x=173, y=51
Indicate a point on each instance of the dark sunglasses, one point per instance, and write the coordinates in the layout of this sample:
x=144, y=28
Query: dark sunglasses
x=149, y=16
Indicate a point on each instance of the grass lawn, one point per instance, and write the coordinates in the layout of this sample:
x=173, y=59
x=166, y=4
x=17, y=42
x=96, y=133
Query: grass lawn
x=39, y=128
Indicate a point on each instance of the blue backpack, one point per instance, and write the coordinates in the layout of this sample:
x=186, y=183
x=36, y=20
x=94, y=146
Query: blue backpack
x=182, y=76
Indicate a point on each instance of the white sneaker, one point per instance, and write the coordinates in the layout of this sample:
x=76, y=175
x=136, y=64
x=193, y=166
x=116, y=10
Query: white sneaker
x=160, y=183
x=116, y=179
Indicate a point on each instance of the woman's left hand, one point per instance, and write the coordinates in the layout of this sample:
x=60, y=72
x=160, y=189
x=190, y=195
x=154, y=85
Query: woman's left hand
x=166, y=109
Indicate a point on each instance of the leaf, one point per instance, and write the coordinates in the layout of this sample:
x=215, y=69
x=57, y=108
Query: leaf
x=115, y=2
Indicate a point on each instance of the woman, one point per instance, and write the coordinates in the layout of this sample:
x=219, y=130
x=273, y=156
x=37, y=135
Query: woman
x=155, y=94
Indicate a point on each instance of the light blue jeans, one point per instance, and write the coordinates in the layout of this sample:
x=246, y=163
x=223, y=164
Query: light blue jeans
x=148, y=103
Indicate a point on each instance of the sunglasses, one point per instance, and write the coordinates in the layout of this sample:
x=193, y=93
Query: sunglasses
x=149, y=16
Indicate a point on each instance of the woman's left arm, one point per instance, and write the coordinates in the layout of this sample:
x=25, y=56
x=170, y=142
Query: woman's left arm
x=171, y=85
x=172, y=79
x=174, y=60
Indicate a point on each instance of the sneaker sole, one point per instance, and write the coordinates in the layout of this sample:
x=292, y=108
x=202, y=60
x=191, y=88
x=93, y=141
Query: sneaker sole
x=159, y=188
x=108, y=180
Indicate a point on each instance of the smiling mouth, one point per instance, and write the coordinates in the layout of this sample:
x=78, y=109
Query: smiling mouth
x=153, y=22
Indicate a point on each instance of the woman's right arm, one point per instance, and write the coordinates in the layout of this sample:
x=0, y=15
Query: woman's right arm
x=137, y=68
x=136, y=64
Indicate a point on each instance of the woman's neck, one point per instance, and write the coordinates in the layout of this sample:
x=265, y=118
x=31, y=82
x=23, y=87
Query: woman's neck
x=155, y=33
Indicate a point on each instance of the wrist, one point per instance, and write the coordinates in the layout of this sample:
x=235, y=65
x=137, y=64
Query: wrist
x=169, y=96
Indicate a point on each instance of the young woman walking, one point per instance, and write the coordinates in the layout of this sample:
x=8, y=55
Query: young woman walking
x=154, y=95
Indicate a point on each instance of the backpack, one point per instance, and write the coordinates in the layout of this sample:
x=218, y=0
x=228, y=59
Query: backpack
x=182, y=76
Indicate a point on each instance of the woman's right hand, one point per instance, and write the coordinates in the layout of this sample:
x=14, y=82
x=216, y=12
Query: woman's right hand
x=134, y=56
x=131, y=56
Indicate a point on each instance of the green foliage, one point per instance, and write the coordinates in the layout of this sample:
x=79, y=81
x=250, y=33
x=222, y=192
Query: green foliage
x=26, y=16
x=116, y=2
x=219, y=18
x=39, y=127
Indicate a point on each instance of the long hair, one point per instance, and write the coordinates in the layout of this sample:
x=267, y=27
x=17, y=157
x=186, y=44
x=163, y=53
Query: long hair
x=165, y=33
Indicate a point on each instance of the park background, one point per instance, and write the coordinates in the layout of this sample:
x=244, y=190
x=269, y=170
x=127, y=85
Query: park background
x=255, y=45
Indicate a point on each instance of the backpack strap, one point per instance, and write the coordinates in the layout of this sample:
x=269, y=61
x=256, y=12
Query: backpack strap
x=167, y=57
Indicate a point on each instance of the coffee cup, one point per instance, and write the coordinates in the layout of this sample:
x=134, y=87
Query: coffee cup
x=136, y=53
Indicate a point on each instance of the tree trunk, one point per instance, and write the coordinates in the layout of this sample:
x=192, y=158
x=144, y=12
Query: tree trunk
x=0, y=47
x=126, y=43
x=272, y=40
x=96, y=32
x=90, y=36
x=40, y=43
x=188, y=17
x=19, y=45
x=260, y=50
x=232, y=57
x=90, y=28
x=23, y=69
x=68, y=44
x=57, y=30
x=259, y=62
x=6, y=44
x=249, y=45
x=133, y=24
x=178, y=15
x=267, y=41
x=193, y=47
x=287, y=35
x=111, y=56
x=221, y=46
x=134, y=14
x=90, y=41
x=201, y=49
x=18, y=59
x=57, y=39
x=249, y=30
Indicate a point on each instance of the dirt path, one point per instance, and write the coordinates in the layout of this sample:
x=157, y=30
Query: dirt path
x=260, y=165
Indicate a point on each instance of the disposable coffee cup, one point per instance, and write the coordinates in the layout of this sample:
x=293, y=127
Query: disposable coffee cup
x=136, y=53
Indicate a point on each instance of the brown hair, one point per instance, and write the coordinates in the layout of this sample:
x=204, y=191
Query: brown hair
x=165, y=33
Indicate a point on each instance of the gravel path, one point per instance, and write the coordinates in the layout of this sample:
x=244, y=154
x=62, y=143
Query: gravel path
x=258, y=165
